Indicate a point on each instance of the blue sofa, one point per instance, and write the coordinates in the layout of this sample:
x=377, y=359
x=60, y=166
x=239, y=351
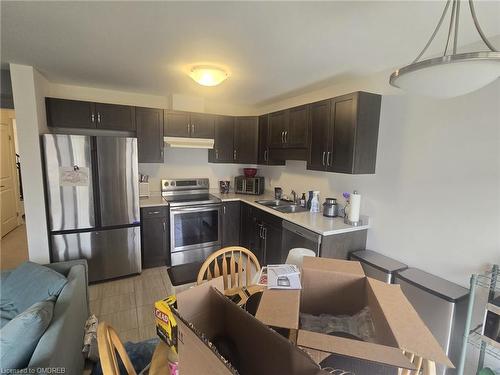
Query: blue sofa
x=61, y=344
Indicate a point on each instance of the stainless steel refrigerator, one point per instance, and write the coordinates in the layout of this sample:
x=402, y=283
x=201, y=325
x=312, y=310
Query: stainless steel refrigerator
x=93, y=202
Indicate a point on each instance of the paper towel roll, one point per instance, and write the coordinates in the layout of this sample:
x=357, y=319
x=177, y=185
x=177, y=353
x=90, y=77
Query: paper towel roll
x=354, y=206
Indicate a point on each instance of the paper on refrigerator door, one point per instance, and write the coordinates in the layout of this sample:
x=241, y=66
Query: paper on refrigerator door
x=73, y=176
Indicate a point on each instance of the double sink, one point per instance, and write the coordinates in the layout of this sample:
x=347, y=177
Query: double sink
x=282, y=206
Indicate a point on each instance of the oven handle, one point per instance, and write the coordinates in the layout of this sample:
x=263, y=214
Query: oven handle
x=208, y=207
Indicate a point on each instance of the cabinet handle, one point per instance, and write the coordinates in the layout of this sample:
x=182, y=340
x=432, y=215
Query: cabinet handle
x=216, y=154
x=324, y=153
x=92, y=117
x=224, y=209
x=154, y=213
x=99, y=117
x=328, y=158
x=192, y=128
x=264, y=233
x=188, y=128
x=260, y=230
x=286, y=136
x=282, y=136
x=234, y=154
x=164, y=227
x=265, y=155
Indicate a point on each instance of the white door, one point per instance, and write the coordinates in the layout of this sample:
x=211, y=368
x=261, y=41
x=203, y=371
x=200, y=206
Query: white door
x=8, y=175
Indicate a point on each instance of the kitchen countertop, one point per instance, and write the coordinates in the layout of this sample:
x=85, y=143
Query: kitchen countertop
x=152, y=201
x=315, y=222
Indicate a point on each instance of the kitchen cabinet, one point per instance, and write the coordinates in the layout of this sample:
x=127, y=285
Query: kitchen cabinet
x=351, y=132
x=187, y=124
x=64, y=113
x=155, y=243
x=246, y=135
x=115, y=117
x=231, y=223
x=223, y=151
x=261, y=233
x=289, y=128
x=149, y=122
x=278, y=124
x=263, y=150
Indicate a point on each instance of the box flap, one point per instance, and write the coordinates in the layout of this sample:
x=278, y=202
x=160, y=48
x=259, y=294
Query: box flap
x=279, y=308
x=409, y=330
x=190, y=301
x=352, y=348
x=335, y=265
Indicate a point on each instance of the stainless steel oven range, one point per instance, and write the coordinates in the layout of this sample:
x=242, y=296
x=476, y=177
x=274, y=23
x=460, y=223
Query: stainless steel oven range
x=195, y=219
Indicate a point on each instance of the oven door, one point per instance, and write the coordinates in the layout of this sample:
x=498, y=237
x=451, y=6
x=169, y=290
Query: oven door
x=195, y=232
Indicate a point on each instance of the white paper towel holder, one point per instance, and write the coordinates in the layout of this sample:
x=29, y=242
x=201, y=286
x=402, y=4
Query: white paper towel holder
x=346, y=217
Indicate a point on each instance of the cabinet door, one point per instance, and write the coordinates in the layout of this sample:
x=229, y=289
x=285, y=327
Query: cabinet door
x=249, y=231
x=149, y=123
x=223, y=140
x=176, y=124
x=263, y=152
x=318, y=134
x=298, y=124
x=115, y=117
x=155, y=249
x=343, y=118
x=278, y=124
x=62, y=113
x=272, y=243
x=202, y=125
x=231, y=223
x=246, y=134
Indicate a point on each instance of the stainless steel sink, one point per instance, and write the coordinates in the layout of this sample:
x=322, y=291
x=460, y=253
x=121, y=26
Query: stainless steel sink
x=274, y=203
x=290, y=208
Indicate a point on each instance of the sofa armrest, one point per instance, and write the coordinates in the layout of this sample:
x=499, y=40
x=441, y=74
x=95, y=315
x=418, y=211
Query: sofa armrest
x=61, y=345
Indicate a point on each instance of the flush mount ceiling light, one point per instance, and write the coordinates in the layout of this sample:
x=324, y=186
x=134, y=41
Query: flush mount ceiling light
x=207, y=75
x=452, y=74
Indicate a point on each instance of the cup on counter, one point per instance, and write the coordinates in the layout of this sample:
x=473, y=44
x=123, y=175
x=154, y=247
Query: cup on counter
x=224, y=187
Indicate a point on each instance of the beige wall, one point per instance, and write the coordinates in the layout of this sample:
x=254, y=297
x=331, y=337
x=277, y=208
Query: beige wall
x=29, y=88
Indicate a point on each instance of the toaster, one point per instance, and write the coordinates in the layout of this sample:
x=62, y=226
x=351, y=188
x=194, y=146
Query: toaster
x=249, y=185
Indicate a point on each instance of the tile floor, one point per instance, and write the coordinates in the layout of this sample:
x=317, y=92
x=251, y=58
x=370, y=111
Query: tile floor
x=14, y=248
x=127, y=304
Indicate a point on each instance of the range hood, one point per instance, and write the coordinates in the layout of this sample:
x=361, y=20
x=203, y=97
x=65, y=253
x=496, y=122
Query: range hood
x=184, y=142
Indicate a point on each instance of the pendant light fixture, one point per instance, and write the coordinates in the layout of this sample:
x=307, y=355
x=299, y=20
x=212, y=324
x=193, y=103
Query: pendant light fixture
x=452, y=74
x=208, y=75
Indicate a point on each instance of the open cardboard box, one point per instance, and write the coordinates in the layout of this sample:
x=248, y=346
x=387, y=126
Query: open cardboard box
x=340, y=287
x=203, y=313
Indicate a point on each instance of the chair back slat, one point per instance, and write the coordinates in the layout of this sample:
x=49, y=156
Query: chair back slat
x=236, y=260
x=422, y=366
x=108, y=343
x=232, y=266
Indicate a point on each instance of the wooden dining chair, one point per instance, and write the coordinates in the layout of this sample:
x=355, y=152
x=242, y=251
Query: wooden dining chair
x=233, y=263
x=108, y=344
x=424, y=366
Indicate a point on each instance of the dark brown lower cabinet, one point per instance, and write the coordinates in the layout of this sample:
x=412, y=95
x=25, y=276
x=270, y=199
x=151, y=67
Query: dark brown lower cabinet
x=231, y=212
x=155, y=237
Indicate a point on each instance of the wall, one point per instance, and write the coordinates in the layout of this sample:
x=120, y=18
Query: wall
x=29, y=89
x=434, y=201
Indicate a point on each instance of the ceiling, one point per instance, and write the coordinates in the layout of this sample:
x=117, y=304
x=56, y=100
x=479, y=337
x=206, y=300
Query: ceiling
x=270, y=48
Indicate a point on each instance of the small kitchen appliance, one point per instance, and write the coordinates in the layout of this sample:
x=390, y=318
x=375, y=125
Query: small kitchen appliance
x=330, y=207
x=249, y=185
x=224, y=187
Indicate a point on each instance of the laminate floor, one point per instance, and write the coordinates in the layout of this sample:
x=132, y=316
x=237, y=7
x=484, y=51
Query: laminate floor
x=14, y=248
x=128, y=304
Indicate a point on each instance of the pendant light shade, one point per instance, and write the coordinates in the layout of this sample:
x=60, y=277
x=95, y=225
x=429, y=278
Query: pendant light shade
x=208, y=75
x=452, y=74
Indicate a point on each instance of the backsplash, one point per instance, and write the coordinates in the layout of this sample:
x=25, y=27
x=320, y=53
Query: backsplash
x=187, y=163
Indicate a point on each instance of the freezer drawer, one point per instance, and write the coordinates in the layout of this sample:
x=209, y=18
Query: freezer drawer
x=70, y=202
x=118, y=180
x=109, y=253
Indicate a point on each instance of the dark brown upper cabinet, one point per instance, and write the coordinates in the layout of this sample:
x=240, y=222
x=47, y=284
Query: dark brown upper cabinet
x=263, y=153
x=289, y=128
x=223, y=151
x=149, y=134
x=278, y=124
x=187, y=124
x=115, y=117
x=64, y=113
x=246, y=136
x=351, y=131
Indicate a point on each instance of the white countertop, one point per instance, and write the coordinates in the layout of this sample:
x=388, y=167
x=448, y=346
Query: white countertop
x=152, y=201
x=315, y=222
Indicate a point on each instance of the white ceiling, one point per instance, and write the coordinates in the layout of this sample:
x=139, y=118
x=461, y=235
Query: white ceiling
x=270, y=48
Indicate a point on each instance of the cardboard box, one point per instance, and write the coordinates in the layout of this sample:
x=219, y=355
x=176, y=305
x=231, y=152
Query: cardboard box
x=340, y=287
x=203, y=313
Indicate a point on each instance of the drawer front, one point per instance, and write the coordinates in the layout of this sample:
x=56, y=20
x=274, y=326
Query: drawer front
x=150, y=212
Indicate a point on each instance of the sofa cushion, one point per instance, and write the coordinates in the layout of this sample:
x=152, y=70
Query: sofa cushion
x=27, y=284
x=20, y=336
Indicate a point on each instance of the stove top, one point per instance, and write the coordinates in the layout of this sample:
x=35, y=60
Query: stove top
x=187, y=192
